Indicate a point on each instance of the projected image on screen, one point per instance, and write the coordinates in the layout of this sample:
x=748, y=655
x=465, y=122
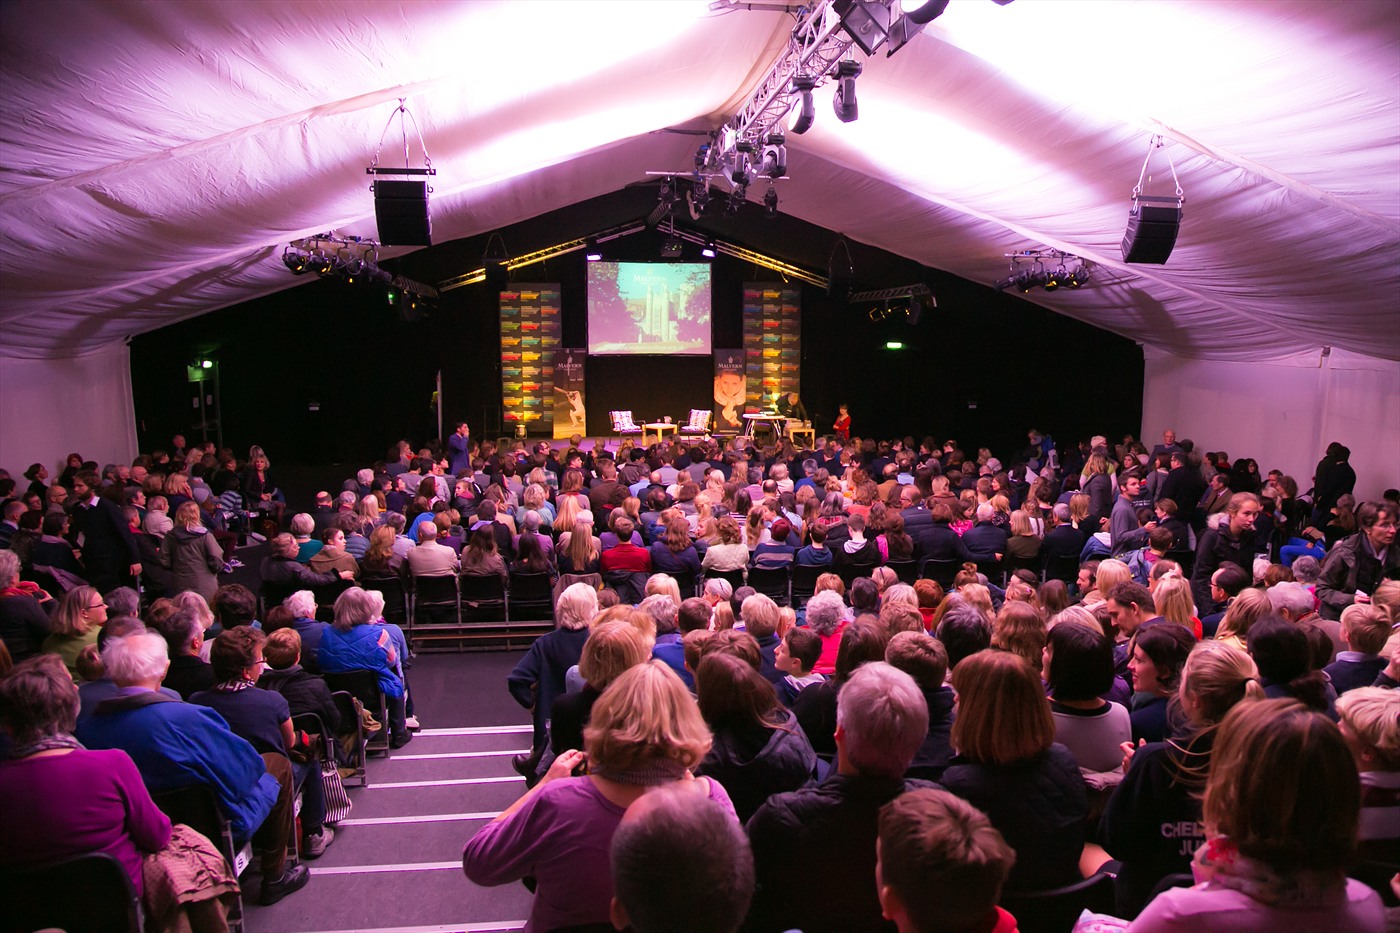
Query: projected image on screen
x=654, y=308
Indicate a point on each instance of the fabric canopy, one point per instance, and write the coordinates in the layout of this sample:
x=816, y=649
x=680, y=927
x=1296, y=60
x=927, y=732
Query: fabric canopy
x=156, y=157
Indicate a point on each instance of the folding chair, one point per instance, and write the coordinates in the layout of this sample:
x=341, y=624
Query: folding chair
x=686, y=582
x=92, y=893
x=483, y=597
x=433, y=593
x=196, y=806
x=906, y=570
x=804, y=583
x=530, y=597
x=395, y=596
x=350, y=722
x=1056, y=910
x=772, y=582
x=363, y=685
x=941, y=570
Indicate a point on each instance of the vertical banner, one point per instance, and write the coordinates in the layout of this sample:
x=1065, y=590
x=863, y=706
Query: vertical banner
x=569, y=411
x=729, y=391
x=529, y=341
x=772, y=344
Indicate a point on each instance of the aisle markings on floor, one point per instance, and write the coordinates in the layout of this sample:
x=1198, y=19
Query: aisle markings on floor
x=379, y=869
x=440, y=755
x=502, y=926
x=446, y=782
x=422, y=818
x=476, y=730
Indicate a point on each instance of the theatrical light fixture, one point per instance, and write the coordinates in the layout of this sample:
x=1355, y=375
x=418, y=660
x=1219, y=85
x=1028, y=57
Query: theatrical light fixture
x=908, y=302
x=1044, y=268
x=867, y=22
x=770, y=201
x=672, y=248
x=894, y=345
x=708, y=250
x=844, y=101
x=802, y=85
x=594, y=254
x=736, y=199
x=354, y=259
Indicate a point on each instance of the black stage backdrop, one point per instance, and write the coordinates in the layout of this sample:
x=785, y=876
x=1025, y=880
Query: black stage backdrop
x=330, y=373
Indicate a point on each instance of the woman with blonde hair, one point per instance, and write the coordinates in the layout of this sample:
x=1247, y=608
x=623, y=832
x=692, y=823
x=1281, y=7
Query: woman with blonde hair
x=1171, y=599
x=1024, y=543
x=75, y=624
x=1097, y=485
x=1163, y=780
x=568, y=515
x=1009, y=767
x=579, y=552
x=535, y=498
x=612, y=649
x=1245, y=609
x=645, y=732
x=1110, y=573
x=191, y=554
x=1275, y=856
x=367, y=510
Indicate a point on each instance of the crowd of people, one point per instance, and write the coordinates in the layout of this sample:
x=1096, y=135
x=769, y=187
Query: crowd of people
x=1107, y=661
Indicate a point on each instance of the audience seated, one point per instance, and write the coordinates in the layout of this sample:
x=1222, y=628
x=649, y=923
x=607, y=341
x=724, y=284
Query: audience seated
x=353, y=643
x=825, y=835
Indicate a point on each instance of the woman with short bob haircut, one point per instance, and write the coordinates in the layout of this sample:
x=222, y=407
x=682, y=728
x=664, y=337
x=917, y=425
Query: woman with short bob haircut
x=76, y=622
x=1009, y=766
x=1156, y=658
x=1020, y=628
x=646, y=731
x=1078, y=670
x=1281, y=810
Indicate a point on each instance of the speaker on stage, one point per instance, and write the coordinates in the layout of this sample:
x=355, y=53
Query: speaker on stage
x=401, y=211
x=1153, y=224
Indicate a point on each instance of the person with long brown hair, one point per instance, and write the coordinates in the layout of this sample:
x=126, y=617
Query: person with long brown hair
x=673, y=552
x=1281, y=812
x=1009, y=767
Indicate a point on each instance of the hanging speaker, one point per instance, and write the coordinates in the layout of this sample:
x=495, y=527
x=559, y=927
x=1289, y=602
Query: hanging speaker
x=401, y=211
x=1153, y=224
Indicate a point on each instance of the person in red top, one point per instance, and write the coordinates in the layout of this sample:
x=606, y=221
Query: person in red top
x=842, y=425
x=940, y=865
x=626, y=556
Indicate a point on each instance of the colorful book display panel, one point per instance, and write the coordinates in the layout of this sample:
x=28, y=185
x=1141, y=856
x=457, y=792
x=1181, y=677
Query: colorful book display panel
x=529, y=341
x=772, y=344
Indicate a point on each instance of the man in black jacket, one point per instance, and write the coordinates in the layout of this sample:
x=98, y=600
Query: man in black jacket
x=110, y=556
x=881, y=720
x=1184, y=486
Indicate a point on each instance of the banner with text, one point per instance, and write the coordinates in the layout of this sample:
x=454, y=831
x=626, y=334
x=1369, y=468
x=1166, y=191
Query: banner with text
x=569, y=412
x=729, y=391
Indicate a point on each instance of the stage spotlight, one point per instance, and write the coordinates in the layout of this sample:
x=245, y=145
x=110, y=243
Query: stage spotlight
x=319, y=263
x=803, y=85
x=294, y=260
x=1079, y=277
x=708, y=250
x=736, y=199
x=1025, y=281
x=867, y=22
x=923, y=11
x=672, y=248
x=591, y=251
x=844, y=101
x=1054, y=280
x=770, y=201
x=666, y=200
x=774, y=161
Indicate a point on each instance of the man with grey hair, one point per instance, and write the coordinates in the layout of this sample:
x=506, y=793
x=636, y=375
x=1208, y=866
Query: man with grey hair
x=1062, y=539
x=177, y=744
x=984, y=542
x=881, y=720
x=1295, y=602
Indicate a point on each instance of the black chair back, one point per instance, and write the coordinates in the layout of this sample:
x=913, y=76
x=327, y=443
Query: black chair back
x=1184, y=558
x=352, y=724
x=1010, y=565
x=483, y=597
x=686, y=581
x=849, y=573
x=196, y=806
x=363, y=685
x=92, y=893
x=1064, y=568
x=326, y=596
x=630, y=587
x=906, y=570
x=395, y=595
x=772, y=582
x=274, y=594
x=941, y=570
x=735, y=577
x=530, y=597
x=804, y=583
x=1056, y=910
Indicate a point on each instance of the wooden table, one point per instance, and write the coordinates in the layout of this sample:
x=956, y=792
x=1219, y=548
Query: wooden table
x=809, y=432
x=660, y=428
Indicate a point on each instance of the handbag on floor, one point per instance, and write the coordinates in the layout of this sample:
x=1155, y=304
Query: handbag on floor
x=338, y=803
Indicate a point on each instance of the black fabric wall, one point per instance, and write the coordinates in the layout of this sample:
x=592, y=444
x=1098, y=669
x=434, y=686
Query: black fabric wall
x=982, y=366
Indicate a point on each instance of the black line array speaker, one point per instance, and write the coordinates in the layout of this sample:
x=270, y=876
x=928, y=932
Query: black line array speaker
x=401, y=211
x=1153, y=224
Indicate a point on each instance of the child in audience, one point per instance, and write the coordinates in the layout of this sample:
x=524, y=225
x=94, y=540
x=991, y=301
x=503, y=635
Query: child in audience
x=816, y=553
x=1365, y=630
x=796, y=655
x=940, y=866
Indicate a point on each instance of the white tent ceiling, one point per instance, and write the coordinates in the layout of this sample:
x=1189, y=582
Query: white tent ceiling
x=155, y=157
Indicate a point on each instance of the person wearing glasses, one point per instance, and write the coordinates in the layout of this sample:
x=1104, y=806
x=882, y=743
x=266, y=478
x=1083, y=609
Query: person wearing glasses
x=80, y=615
x=264, y=718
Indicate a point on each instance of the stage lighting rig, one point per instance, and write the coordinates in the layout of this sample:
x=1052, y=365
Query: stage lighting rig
x=353, y=259
x=770, y=201
x=1044, y=268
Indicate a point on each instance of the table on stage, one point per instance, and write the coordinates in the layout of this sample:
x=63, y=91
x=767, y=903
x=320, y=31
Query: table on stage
x=659, y=428
x=776, y=422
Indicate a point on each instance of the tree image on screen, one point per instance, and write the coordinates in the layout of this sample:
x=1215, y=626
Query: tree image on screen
x=651, y=308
